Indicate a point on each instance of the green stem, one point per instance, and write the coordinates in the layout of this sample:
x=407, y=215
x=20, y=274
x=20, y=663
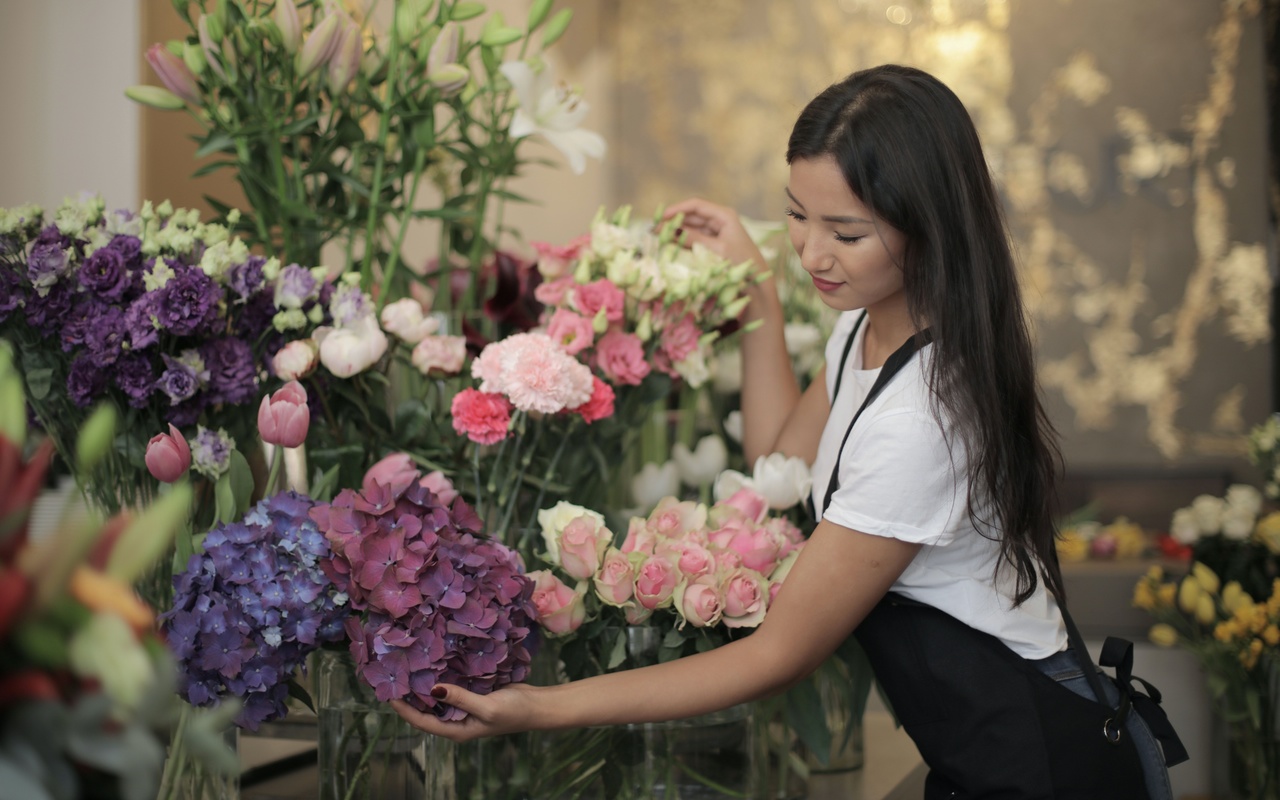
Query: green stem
x=273, y=477
x=375, y=188
x=393, y=259
x=172, y=765
x=363, y=766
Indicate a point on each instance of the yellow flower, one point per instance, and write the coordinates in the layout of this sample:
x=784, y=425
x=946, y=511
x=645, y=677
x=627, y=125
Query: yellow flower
x=1189, y=593
x=1271, y=635
x=1206, y=610
x=1143, y=596
x=1268, y=531
x=1130, y=540
x=1249, y=657
x=1234, y=596
x=1166, y=594
x=1163, y=635
x=1072, y=546
x=1155, y=573
x=1206, y=577
x=1225, y=631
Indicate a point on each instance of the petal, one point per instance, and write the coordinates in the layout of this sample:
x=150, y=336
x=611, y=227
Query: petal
x=523, y=125
x=576, y=145
x=522, y=80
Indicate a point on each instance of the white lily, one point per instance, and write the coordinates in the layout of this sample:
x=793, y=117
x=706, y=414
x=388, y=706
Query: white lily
x=553, y=110
x=782, y=481
x=700, y=466
x=654, y=482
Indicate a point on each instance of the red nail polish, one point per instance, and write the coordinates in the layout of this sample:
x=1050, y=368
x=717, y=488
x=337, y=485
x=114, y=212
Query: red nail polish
x=438, y=692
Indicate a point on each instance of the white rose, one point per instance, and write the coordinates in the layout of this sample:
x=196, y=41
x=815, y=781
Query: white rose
x=553, y=520
x=782, y=481
x=353, y=349
x=1183, y=527
x=654, y=482
x=1208, y=513
x=1245, y=498
x=701, y=466
x=296, y=360
x=404, y=319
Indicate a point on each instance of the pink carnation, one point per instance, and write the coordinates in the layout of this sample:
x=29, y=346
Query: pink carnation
x=601, y=294
x=571, y=331
x=600, y=406
x=620, y=357
x=680, y=339
x=481, y=417
x=533, y=373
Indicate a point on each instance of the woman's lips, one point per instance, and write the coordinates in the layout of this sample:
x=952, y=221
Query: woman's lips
x=825, y=286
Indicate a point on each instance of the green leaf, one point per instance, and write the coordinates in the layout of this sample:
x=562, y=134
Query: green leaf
x=225, y=499
x=298, y=692
x=556, y=27
x=38, y=382
x=212, y=167
x=618, y=653
x=325, y=482
x=217, y=143
x=808, y=718
x=465, y=10
x=538, y=14
x=241, y=480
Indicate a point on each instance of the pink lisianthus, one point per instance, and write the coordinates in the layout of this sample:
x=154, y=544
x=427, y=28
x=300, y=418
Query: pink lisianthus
x=533, y=373
x=656, y=579
x=554, y=260
x=573, y=332
x=283, y=417
x=700, y=602
x=561, y=609
x=168, y=455
x=481, y=417
x=615, y=580
x=746, y=598
x=444, y=354
x=680, y=339
x=600, y=406
x=552, y=293
x=597, y=295
x=620, y=357
x=582, y=545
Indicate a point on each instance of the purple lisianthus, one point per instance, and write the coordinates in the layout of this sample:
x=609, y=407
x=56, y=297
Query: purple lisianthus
x=348, y=304
x=86, y=381
x=136, y=378
x=105, y=274
x=233, y=373
x=106, y=337
x=141, y=320
x=295, y=287
x=249, y=610
x=46, y=314
x=10, y=291
x=211, y=452
x=47, y=262
x=188, y=303
x=246, y=279
x=180, y=380
x=80, y=320
x=441, y=602
x=130, y=250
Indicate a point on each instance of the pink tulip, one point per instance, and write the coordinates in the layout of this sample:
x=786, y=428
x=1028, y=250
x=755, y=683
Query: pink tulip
x=283, y=418
x=168, y=455
x=173, y=73
x=395, y=472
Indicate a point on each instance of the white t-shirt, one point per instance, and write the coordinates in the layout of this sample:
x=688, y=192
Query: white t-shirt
x=899, y=479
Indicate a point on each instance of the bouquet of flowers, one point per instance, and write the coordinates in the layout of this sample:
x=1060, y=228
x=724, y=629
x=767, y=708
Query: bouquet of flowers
x=170, y=319
x=1232, y=536
x=330, y=115
x=1262, y=452
x=436, y=600
x=251, y=607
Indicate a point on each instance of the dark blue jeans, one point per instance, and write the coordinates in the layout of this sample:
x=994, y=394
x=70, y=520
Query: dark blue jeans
x=1065, y=669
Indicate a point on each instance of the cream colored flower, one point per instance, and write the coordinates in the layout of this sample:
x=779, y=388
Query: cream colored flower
x=554, y=111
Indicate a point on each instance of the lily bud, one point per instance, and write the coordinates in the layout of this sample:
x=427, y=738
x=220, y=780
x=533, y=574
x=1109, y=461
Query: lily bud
x=345, y=62
x=286, y=19
x=155, y=97
x=445, y=49
x=173, y=73
x=212, y=53
x=193, y=57
x=320, y=45
x=450, y=79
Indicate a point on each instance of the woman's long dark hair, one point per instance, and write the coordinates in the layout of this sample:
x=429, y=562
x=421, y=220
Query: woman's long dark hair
x=909, y=151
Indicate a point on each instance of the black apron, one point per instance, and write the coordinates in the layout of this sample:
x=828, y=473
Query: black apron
x=988, y=723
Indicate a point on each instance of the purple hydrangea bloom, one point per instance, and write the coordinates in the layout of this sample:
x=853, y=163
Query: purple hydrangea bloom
x=180, y=380
x=295, y=287
x=440, y=602
x=136, y=378
x=233, y=373
x=211, y=452
x=226, y=639
x=86, y=381
x=188, y=303
x=105, y=274
x=46, y=314
x=246, y=279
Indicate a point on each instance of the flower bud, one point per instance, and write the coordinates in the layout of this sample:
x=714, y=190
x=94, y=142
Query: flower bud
x=96, y=437
x=193, y=57
x=173, y=73
x=168, y=455
x=1207, y=578
x=320, y=45
x=155, y=97
x=295, y=360
x=345, y=62
x=212, y=53
x=286, y=19
x=1163, y=635
x=445, y=49
x=450, y=79
x=283, y=418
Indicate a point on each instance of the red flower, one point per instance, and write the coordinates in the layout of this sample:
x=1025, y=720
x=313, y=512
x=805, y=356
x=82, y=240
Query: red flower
x=481, y=417
x=600, y=405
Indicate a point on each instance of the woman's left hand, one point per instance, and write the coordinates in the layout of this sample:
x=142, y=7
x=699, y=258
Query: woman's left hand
x=507, y=710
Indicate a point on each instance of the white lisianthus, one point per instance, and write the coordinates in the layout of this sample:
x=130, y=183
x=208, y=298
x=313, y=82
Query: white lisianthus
x=654, y=482
x=353, y=349
x=782, y=481
x=554, y=111
x=701, y=466
x=609, y=240
x=693, y=368
x=733, y=425
x=1208, y=513
x=553, y=521
x=647, y=282
x=1183, y=528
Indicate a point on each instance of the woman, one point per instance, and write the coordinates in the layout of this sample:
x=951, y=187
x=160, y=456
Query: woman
x=939, y=497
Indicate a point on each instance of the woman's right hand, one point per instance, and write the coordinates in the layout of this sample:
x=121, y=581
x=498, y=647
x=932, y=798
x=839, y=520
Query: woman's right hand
x=507, y=710
x=719, y=228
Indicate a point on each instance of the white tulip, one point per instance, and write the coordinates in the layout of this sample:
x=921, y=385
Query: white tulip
x=729, y=483
x=733, y=426
x=782, y=481
x=1183, y=527
x=654, y=482
x=1208, y=513
x=701, y=466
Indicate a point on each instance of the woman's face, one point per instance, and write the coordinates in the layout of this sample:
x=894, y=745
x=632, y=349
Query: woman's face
x=851, y=255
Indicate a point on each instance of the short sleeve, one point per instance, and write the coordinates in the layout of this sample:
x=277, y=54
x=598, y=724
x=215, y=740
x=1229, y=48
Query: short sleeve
x=898, y=480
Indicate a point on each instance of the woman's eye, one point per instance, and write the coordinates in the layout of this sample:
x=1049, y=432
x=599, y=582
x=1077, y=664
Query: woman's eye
x=847, y=239
x=791, y=213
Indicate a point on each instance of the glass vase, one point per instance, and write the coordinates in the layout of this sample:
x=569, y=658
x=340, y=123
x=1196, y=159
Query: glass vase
x=188, y=778
x=366, y=751
x=846, y=752
x=1252, y=763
